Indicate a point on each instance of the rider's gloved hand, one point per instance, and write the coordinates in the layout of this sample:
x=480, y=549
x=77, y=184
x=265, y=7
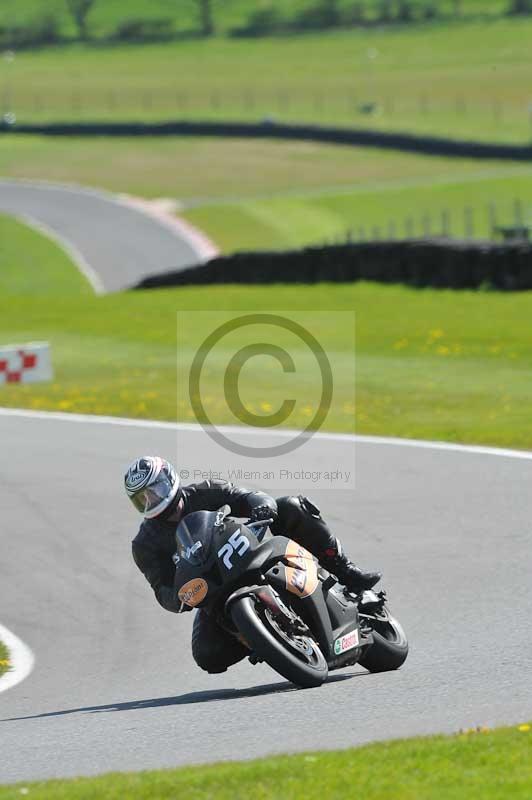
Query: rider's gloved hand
x=262, y=512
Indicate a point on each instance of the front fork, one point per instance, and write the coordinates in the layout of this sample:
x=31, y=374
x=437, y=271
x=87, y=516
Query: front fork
x=270, y=599
x=312, y=608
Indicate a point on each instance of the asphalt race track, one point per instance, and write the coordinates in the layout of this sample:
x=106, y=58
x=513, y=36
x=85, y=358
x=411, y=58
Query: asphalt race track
x=114, y=686
x=120, y=245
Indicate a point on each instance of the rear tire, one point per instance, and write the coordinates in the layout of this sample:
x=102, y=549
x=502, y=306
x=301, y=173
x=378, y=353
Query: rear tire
x=390, y=646
x=296, y=658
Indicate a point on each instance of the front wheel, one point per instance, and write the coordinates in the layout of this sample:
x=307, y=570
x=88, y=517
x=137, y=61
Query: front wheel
x=390, y=646
x=294, y=656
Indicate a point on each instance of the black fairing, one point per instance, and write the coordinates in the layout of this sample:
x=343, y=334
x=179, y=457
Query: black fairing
x=227, y=555
x=329, y=612
x=222, y=551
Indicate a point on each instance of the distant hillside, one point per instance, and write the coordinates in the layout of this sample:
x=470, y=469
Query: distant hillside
x=165, y=18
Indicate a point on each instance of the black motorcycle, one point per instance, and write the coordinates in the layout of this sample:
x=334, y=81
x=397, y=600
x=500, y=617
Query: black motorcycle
x=272, y=595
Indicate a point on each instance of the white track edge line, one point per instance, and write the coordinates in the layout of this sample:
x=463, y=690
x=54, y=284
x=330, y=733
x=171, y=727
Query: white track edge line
x=197, y=239
x=75, y=255
x=334, y=437
x=21, y=659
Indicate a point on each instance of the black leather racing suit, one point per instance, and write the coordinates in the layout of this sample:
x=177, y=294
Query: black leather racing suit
x=154, y=545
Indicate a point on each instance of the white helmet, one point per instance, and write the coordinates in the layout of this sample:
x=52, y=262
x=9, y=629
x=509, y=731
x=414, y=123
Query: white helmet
x=151, y=484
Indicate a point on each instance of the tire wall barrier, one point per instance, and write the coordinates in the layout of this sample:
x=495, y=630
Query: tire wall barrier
x=429, y=145
x=434, y=263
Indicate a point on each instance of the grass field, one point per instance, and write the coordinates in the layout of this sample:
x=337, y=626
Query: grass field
x=415, y=77
x=4, y=658
x=247, y=195
x=430, y=364
x=489, y=764
x=393, y=209
x=204, y=170
x=31, y=264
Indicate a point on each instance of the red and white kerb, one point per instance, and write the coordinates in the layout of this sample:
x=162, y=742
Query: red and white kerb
x=26, y=363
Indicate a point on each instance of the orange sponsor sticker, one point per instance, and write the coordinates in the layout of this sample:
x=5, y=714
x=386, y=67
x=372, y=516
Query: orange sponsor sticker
x=302, y=572
x=193, y=592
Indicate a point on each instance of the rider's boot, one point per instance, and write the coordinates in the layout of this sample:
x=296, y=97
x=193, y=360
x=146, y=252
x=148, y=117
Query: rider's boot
x=301, y=520
x=352, y=577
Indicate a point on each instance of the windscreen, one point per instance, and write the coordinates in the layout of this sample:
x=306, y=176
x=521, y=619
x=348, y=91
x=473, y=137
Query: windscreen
x=194, y=536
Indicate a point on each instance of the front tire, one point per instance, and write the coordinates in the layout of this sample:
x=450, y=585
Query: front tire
x=390, y=645
x=297, y=658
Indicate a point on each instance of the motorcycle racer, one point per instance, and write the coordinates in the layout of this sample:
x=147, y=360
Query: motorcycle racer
x=154, y=487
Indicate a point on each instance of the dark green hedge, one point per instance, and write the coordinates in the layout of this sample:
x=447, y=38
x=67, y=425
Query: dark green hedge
x=269, y=129
x=438, y=263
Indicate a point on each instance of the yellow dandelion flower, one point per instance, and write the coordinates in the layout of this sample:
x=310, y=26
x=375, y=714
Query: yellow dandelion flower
x=524, y=728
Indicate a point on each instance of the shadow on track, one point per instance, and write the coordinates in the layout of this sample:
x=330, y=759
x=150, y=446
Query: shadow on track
x=208, y=696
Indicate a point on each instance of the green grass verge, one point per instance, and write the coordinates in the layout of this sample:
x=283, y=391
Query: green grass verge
x=417, y=81
x=460, y=206
x=202, y=171
x=430, y=364
x=32, y=264
x=490, y=764
x=246, y=197
x=4, y=658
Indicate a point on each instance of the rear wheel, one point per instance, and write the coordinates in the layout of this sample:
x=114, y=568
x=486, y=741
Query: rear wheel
x=293, y=654
x=390, y=646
